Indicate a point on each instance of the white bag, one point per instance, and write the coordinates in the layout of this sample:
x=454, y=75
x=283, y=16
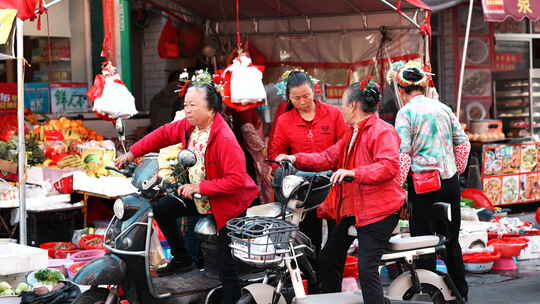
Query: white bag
x=246, y=82
x=116, y=100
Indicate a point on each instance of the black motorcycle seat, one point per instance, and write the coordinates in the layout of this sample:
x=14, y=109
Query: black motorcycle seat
x=186, y=283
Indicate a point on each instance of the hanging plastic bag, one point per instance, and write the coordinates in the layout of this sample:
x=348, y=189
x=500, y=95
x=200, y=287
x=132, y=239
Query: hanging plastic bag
x=169, y=44
x=110, y=95
x=246, y=86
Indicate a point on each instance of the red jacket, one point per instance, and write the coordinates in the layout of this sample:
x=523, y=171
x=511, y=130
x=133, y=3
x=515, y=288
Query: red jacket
x=229, y=187
x=376, y=191
x=294, y=135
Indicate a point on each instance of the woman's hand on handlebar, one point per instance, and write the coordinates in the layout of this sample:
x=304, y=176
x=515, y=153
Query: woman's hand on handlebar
x=283, y=157
x=340, y=175
x=122, y=160
x=188, y=190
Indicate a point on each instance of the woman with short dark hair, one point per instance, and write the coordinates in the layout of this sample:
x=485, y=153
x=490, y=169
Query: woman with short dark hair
x=219, y=174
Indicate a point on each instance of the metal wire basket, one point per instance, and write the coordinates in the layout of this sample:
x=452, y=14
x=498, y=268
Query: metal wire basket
x=260, y=241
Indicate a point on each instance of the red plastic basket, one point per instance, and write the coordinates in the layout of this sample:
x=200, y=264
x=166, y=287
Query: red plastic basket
x=83, y=242
x=55, y=253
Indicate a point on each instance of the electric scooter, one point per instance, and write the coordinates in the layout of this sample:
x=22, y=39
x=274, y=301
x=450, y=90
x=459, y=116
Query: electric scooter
x=127, y=238
x=265, y=242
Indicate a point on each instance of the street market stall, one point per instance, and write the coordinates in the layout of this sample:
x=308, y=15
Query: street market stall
x=497, y=96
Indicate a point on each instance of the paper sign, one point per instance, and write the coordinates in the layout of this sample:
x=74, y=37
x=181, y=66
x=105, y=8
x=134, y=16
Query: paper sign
x=69, y=98
x=36, y=97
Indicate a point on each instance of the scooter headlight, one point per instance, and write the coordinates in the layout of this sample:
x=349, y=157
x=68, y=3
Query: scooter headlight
x=119, y=209
x=289, y=184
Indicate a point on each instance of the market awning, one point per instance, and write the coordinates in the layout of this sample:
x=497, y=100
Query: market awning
x=225, y=9
x=499, y=10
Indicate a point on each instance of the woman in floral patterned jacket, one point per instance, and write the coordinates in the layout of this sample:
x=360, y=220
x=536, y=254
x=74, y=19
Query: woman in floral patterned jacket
x=433, y=141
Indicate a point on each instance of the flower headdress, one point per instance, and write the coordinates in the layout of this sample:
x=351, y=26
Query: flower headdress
x=200, y=77
x=412, y=73
x=369, y=87
x=281, y=85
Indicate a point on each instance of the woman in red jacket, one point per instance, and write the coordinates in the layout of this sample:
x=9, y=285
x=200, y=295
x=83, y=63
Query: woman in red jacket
x=308, y=126
x=220, y=174
x=369, y=153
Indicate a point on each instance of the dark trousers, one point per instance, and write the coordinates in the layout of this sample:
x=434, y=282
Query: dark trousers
x=422, y=223
x=311, y=226
x=372, y=241
x=167, y=211
x=333, y=256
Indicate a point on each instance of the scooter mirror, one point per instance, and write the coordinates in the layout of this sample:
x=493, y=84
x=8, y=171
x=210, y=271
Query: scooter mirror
x=187, y=158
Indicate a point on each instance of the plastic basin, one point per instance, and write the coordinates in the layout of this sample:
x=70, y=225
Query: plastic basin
x=59, y=250
x=508, y=247
x=86, y=255
x=86, y=242
x=479, y=267
x=351, y=267
x=58, y=264
x=74, y=269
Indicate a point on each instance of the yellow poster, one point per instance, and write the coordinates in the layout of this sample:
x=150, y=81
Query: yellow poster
x=7, y=16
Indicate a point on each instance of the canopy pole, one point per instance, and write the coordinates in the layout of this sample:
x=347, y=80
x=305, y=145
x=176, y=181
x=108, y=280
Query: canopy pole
x=21, y=160
x=402, y=14
x=463, y=59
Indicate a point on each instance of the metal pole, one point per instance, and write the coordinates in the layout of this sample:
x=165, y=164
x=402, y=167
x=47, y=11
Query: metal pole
x=21, y=166
x=463, y=58
x=403, y=14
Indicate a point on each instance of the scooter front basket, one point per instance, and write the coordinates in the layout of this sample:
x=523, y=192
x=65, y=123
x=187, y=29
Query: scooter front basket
x=260, y=241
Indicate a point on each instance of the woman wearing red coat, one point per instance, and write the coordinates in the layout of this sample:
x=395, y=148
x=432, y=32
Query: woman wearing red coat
x=308, y=126
x=220, y=174
x=369, y=153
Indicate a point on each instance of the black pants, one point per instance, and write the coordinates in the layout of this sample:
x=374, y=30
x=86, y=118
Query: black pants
x=333, y=256
x=422, y=223
x=167, y=211
x=372, y=241
x=311, y=226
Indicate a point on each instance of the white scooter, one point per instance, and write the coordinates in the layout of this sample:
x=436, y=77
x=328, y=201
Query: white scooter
x=265, y=241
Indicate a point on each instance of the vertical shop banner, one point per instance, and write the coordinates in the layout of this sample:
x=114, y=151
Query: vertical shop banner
x=69, y=98
x=498, y=10
x=110, y=31
x=8, y=97
x=36, y=97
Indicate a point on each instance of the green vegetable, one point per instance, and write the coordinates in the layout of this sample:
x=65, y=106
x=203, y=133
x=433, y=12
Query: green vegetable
x=91, y=158
x=4, y=286
x=49, y=275
x=7, y=292
x=22, y=287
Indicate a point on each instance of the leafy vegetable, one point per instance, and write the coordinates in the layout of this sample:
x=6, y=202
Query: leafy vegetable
x=7, y=292
x=22, y=287
x=4, y=286
x=49, y=275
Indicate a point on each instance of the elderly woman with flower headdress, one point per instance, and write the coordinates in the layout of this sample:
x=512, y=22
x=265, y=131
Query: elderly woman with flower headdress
x=307, y=126
x=369, y=153
x=220, y=174
x=437, y=147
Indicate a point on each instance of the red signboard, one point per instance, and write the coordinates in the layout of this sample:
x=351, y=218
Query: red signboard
x=499, y=10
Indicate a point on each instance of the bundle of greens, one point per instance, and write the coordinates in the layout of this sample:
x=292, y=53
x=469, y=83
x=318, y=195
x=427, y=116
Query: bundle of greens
x=34, y=154
x=49, y=275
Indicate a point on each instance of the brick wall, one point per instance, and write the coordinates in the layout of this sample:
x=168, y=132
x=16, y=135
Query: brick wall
x=447, y=58
x=155, y=69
